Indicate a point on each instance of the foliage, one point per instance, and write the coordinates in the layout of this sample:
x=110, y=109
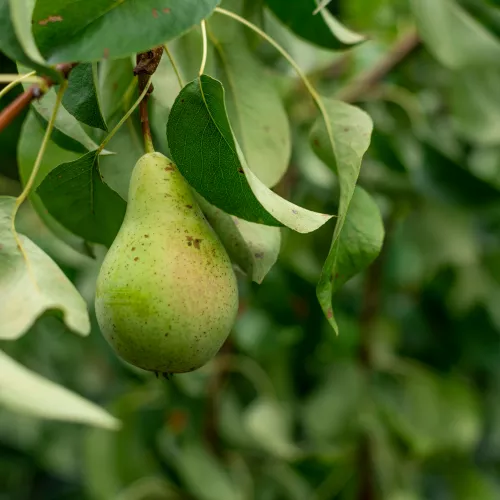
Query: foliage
x=340, y=379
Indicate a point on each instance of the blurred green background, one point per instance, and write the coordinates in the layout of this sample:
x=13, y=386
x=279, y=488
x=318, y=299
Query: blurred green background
x=403, y=404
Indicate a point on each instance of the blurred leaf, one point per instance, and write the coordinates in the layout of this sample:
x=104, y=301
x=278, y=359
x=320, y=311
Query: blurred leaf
x=95, y=29
x=31, y=284
x=456, y=39
x=471, y=483
x=332, y=408
x=24, y=391
x=76, y=196
x=16, y=39
x=253, y=247
x=215, y=166
x=81, y=98
x=203, y=474
x=359, y=243
x=476, y=111
x=321, y=29
x=431, y=414
x=343, y=152
x=29, y=144
x=467, y=189
x=270, y=425
x=254, y=106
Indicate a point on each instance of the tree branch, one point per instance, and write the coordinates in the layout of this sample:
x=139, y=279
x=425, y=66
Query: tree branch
x=369, y=79
x=369, y=314
x=8, y=114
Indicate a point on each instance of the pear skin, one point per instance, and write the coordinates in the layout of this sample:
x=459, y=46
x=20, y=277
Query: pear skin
x=166, y=295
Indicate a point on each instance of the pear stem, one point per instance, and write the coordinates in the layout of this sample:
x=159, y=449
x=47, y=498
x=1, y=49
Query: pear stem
x=147, y=62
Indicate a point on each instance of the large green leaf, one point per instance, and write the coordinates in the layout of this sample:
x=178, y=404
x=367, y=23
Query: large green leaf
x=95, y=29
x=254, y=106
x=321, y=28
x=455, y=38
x=351, y=129
x=15, y=36
x=76, y=196
x=31, y=284
x=81, y=98
x=27, y=152
x=27, y=392
x=203, y=146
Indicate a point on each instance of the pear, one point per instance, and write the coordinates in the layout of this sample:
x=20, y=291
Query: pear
x=166, y=295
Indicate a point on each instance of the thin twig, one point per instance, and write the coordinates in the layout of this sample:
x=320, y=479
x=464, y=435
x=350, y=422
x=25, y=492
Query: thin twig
x=8, y=114
x=15, y=78
x=147, y=62
x=369, y=79
x=29, y=185
x=125, y=117
x=174, y=66
x=205, y=48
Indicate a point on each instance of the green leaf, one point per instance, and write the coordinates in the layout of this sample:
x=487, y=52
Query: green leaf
x=31, y=284
x=81, y=98
x=343, y=152
x=75, y=195
x=330, y=411
x=27, y=392
x=475, y=108
x=15, y=36
x=67, y=132
x=321, y=29
x=430, y=413
x=254, y=106
x=356, y=248
x=270, y=425
x=29, y=145
x=194, y=462
x=100, y=29
x=203, y=146
x=455, y=38
x=253, y=247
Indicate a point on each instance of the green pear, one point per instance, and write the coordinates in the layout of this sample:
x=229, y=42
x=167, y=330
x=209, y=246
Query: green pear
x=166, y=296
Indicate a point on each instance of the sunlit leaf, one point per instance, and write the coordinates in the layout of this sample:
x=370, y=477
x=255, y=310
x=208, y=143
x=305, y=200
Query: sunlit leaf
x=31, y=284
x=24, y=391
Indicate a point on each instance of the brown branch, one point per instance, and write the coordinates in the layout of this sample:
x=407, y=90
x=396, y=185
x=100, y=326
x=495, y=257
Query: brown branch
x=147, y=62
x=8, y=114
x=367, y=323
x=369, y=79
